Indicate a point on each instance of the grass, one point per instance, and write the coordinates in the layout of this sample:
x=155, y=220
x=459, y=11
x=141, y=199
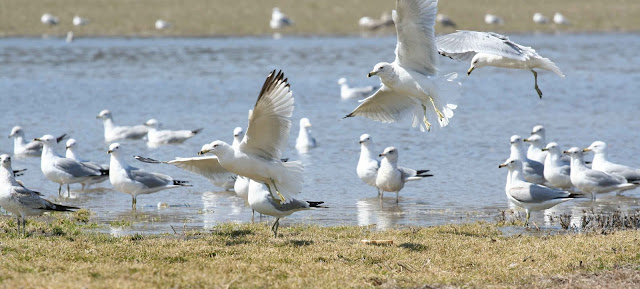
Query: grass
x=64, y=252
x=327, y=17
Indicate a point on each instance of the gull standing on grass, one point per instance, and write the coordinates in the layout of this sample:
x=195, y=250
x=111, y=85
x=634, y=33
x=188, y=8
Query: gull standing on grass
x=556, y=171
x=72, y=154
x=305, y=141
x=134, y=181
x=600, y=163
x=262, y=201
x=258, y=156
x=20, y=201
x=529, y=196
x=493, y=49
x=591, y=181
x=347, y=92
x=410, y=85
x=157, y=137
x=113, y=132
x=24, y=149
x=65, y=171
x=533, y=171
x=391, y=178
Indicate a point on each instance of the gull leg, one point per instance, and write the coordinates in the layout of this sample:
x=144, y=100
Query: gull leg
x=535, y=77
x=397, y=197
x=526, y=222
x=440, y=115
x=253, y=214
x=68, y=191
x=282, y=199
x=424, y=118
x=83, y=186
x=133, y=203
x=60, y=190
x=275, y=226
x=18, y=224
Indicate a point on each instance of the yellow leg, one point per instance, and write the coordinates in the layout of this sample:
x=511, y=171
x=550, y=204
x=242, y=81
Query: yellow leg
x=424, y=118
x=282, y=198
x=440, y=115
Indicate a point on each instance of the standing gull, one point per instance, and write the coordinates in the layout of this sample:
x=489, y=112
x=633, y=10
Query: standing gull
x=600, y=163
x=538, y=18
x=79, y=21
x=556, y=171
x=72, y=154
x=261, y=200
x=367, y=168
x=591, y=181
x=533, y=171
x=559, y=19
x=20, y=201
x=134, y=181
x=391, y=178
x=492, y=49
x=157, y=137
x=410, y=84
x=305, y=141
x=22, y=148
x=258, y=155
x=113, y=132
x=279, y=20
x=493, y=19
x=49, y=19
x=65, y=171
x=535, y=152
x=347, y=92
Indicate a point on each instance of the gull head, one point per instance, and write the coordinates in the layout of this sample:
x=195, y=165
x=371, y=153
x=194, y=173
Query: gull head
x=71, y=143
x=238, y=132
x=342, y=81
x=512, y=164
x=46, y=139
x=104, y=114
x=478, y=60
x=552, y=148
x=382, y=70
x=515, y=140
x=538, y=129
x=16, y=131
x=114, y=148
x=534, y=139
x=152, y=123
x=365, y=139
x=574, y=153
x=215, y=148
x=597, y=147
x=304, y=122
x=5, y=160
x=390, y=153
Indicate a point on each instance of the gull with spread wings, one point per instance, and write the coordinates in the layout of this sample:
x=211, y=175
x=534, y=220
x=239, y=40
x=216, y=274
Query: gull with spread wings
x=258, y=156
x=410, y=84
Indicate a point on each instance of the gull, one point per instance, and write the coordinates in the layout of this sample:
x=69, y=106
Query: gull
x=159, y=137
x=391, y=178
x=305, y=141
x=279, y=20
x=540, y=131
x=258, y=155
x=72, y=154
x=445, y=20
x=560, y=19
x=65, y=171
x=22, y=148
x=20, y=201
x=134, y=181
x=347, y=92
x=600, y=163
x=113, y=132
x=535, y=151
x=529, y=196
x=540, y=19
x=369, y=23
x=79, y=21
x=557, y=172
x=592, y=181
x=261, y=200
x=367, y=168
x=493, y=19
x=410, y=84
x=533, y=171
x=162, y=24
x=69, y=38
x=49, y=19
x=493, y=49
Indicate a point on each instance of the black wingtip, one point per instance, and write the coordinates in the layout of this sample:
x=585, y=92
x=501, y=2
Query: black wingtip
x=60, y=138
x=181, y=183
x=313, y=204
x=146, y=160
x=348, y=115
x=62, y=208
x=419, y=172
x=104, y=172
x=196, y=131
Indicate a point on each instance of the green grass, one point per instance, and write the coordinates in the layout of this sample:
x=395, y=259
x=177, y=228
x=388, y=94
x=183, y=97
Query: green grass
x=326, y=17
x=63, y=252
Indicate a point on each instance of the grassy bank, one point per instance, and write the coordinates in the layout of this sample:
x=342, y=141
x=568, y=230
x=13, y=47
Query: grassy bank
x=62, y=253
x=327, y=17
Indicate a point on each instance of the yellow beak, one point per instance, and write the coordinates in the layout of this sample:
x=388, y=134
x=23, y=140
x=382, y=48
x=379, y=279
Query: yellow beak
x=372, y=73
x=502, y=165
x=109, y=151
x=586, y=150
x=203, y=152
x=470, y=69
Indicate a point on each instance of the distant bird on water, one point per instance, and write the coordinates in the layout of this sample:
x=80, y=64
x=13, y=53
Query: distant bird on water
x=49, y=19
x=279, y=20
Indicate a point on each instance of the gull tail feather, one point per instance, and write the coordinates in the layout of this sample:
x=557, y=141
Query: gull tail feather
x=547, y=64
x=292, y=180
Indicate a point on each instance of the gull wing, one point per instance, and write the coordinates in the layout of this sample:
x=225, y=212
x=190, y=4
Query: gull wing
x=385, y=106
x=75, y=168
x=415, y=21
x=603, y=179
x=463, y=45
x=269, y=123
x=533, y=193
x=150, y=180
x=206, y=166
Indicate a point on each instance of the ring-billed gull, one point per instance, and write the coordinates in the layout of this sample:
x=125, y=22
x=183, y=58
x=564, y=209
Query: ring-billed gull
x=72, y=154
x=391, y=178
x=159, y=137
x=538, y=18
x=493, y=19
x=535, y=152
x=134, y=181
x=559, y=19
x=557, y=172
x=445, y=20
x=591, y=181
x=305, y=141
x=410, y=84
x=113, y=132
x=261, y=200
x=162, y=24
x=493, y=49
x=529, y=196
x=367, y=168
x=20, y=201
x=64, y=171
x=279, y=20
x=79, y=21
x=49, y=19
x=258, y=156
x=601, y=163
x=533, y=170
x=22, y=148
x=347, y=92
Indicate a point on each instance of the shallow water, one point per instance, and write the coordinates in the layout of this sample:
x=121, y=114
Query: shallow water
x=52, y=87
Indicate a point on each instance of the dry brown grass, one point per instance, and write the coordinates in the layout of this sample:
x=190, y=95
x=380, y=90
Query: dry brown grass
x=326, y=17
x=61, y=253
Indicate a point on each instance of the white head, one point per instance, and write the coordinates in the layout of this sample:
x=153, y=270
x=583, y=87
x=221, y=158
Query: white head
x=104, y=114
x=478, y=60
x=597, y=147
x=538, y=130
x=512, y=163
x=516, y=140
x=383, y=70
x=574, y=153
x=342, y=81
x=216, y=147
x=238, y=132
x=390, y=153
x=47, y=140
x=552, y=148
x=71, y=143
x=16, y=131
x=114, y=149
x=5, y=161
x=304, y=122
x=152, y=123
x=276, y=10
x=365, y=139
x=535, y=140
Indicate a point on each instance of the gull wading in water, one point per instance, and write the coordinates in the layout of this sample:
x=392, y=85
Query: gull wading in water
x=71, y=153
x=113, y=132
x=347, y=92
x=390, y=177
x=20, y=201
x=258, y=156
x=156, y=137
x=367, y=168
x=24, y=149
x=533, y=171
x=410, y=84
x=305, y=141
x=600, y=163
x=493, y=49
x=134, y=181
x=556, y=171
